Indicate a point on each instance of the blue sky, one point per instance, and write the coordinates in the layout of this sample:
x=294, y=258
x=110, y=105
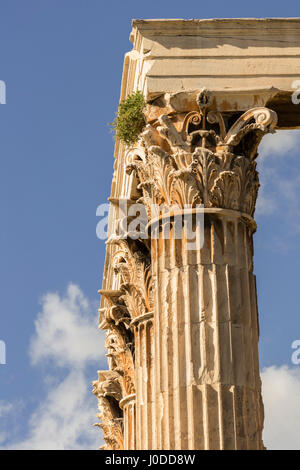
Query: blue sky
x=62, y=65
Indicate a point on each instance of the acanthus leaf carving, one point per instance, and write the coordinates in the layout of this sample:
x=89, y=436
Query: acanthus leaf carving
x=132, y=262
x=202, y=163
x=114, y=315
x=108, y=392
x=115, y=318
x=120, y=354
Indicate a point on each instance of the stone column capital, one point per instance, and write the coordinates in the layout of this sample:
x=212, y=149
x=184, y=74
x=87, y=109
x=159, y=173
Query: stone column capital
x=201, y=157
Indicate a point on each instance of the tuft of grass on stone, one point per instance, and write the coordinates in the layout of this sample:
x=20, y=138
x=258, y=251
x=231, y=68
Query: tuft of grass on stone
x=130, y=119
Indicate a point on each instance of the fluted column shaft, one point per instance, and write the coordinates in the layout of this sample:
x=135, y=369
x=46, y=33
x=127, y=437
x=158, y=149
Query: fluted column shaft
x=144, y=377
x=207, y=383
x=128, y=405
x=197, y=382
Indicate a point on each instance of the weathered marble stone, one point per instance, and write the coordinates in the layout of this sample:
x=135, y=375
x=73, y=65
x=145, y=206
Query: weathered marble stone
x=182, y=324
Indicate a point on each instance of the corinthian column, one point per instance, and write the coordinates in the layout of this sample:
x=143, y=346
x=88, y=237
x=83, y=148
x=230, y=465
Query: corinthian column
x=206, y=367
x=132, y=263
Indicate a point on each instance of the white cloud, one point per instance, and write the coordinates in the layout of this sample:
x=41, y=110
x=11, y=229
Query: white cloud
x=5, y=408
x=279, y=144
x=63, y=420
x=66, y=337
x=66, y=332
x=265, y=203
x=279, y=183
x=281, y=392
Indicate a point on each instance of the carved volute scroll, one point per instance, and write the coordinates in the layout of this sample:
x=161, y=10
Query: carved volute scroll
x=182, y=159
x=208, y=160
x=120, y=359
x=118, y=381
x=108, y=391
x=114, y=313
x=132, y=262
x=179, y=298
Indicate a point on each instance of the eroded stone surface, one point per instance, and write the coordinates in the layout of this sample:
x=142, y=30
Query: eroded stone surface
x=182, y=325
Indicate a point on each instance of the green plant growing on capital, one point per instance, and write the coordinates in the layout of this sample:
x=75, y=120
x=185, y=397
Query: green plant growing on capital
x=130, y=119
